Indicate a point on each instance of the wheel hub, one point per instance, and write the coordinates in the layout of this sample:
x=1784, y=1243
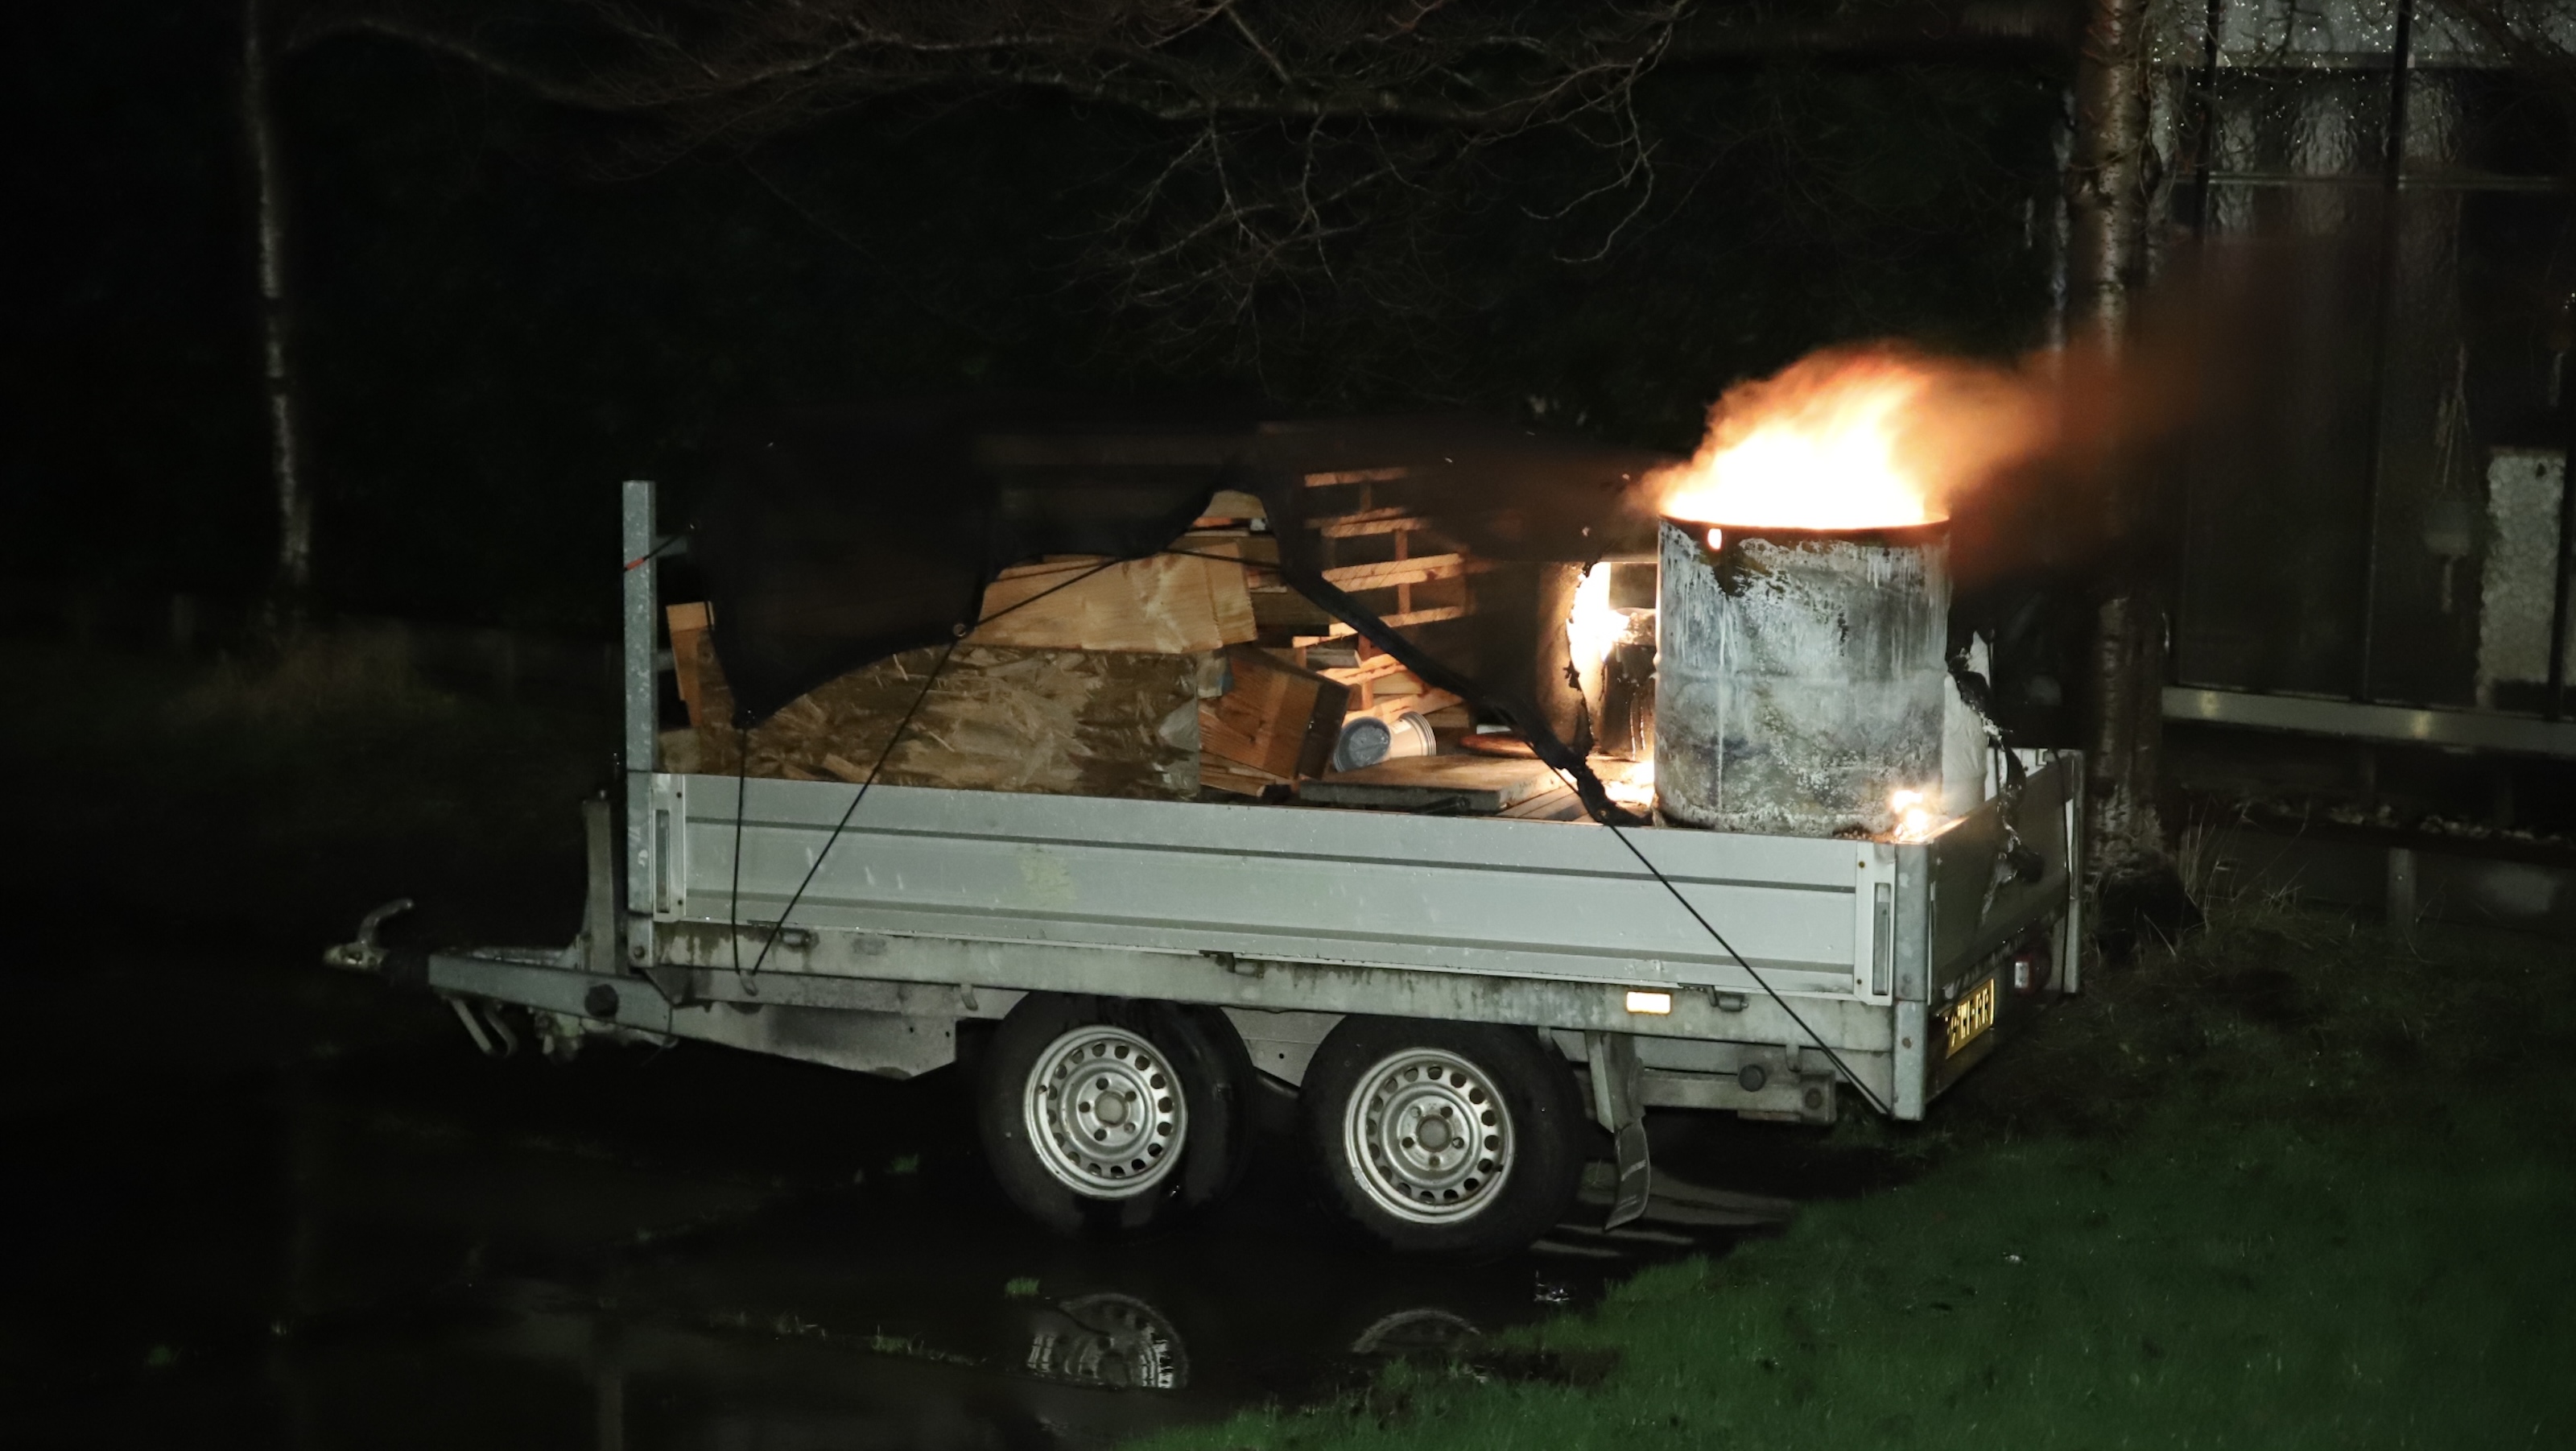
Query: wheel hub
x=1104, y=1112
x=1427, y=1137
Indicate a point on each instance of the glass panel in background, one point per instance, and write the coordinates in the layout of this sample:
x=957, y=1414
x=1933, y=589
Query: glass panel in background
x=2282, y=524
x=2275, y=537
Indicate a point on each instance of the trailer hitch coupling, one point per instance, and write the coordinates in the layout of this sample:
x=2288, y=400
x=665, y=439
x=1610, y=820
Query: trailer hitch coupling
x=366, y=954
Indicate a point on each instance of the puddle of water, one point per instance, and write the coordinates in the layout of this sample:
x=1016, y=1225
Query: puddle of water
x=696, y=1249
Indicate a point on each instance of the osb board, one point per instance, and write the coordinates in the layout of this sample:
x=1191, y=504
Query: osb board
x=1477, y=785
x=1168, y=604
x=1056, y=722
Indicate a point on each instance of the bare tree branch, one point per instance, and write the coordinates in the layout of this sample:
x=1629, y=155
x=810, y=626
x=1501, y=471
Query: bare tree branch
x=1286, y=126
x=2535, y=36
x=1292, y=122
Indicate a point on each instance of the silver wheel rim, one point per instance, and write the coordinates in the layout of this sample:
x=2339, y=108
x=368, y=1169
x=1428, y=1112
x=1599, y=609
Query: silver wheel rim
x=1427, y=1137
x=1105, y=1113
x=1111, y=1340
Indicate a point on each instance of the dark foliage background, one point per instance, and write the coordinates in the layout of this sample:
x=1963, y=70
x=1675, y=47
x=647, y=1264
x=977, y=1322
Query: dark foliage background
x=498, y=318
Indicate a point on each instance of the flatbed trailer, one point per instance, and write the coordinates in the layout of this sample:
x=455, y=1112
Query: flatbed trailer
x=1152, y=966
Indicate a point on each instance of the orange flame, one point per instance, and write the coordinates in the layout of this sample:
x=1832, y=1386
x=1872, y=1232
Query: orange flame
x=1855, y=438
x=1594, y=626
x=1630, y=783
x=1914, y=820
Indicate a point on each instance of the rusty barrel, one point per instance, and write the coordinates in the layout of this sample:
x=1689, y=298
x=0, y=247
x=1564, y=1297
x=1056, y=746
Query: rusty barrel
x=1800, y=677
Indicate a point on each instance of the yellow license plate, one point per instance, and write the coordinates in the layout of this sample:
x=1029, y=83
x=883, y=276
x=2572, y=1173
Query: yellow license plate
x=1970, y=1016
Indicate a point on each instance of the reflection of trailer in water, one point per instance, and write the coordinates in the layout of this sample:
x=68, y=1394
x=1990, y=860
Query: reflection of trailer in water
x=1095, y=1366
x=1452, y=998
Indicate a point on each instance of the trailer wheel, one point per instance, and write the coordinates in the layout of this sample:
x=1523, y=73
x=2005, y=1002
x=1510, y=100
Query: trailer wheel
x=1445, y=1138
x=1106, y=1116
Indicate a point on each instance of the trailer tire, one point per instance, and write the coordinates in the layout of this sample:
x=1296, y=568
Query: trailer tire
x=1160, y=1093
x=1380, y=1089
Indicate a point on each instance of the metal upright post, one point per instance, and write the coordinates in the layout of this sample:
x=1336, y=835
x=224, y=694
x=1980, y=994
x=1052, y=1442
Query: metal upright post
x=2563, y=582
x=2204, y=146
x=2392, y=238
x=642, y=697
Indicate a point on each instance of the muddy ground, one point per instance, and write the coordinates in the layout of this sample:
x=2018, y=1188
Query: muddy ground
x=297, y=1207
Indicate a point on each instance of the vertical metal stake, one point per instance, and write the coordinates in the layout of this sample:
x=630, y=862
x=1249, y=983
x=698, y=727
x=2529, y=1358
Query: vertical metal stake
x=2554, y=705
x=2401, y=890
x=1617, y=1101
x=642, y=711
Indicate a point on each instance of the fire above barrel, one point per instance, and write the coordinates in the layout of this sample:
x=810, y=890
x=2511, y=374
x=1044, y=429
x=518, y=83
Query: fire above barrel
x=1803, y=608
x=1801, y=676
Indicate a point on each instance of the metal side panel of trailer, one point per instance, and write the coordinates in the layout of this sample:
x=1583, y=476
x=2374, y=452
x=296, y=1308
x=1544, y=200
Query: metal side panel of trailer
x=934, y=906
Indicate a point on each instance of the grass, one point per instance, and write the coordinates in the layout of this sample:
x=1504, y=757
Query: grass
x=291, y=792
x=2290, y=1183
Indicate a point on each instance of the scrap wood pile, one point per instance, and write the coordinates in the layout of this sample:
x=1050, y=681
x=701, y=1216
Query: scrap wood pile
x=1200, y=604
x=1196, y=673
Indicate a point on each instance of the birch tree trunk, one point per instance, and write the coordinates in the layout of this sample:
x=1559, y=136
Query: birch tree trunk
x=291, y=586
x=2108, y=203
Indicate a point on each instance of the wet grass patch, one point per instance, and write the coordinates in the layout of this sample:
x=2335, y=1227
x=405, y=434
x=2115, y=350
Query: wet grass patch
x=1579, y=1367
x=2291, y=1182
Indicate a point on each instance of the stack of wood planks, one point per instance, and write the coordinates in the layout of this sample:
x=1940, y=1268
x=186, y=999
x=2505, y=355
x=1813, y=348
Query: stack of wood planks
x=1385, y=553
x=1178, y=676
x=1135, y=678
x=1382, y=686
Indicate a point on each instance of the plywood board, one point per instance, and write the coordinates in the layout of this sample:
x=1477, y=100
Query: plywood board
x=1232, y=504
x=1166, y=604
x=689, y=624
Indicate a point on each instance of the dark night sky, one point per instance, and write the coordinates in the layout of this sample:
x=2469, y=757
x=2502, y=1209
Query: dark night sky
x=496, y=323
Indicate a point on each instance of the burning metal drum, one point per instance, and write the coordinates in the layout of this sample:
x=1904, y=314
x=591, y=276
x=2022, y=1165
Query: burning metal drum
x=1800, y=676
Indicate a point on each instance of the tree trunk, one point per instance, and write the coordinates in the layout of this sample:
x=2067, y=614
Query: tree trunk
x=2108, y=197
x=291, y=586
